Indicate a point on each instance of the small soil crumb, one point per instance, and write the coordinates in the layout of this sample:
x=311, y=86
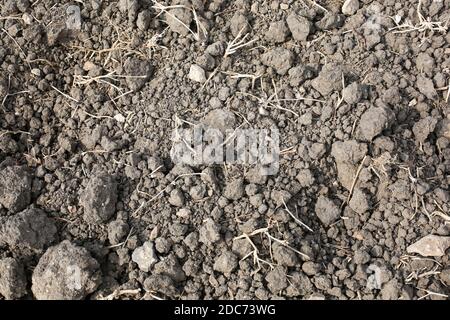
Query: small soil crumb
x=426, y=87
x=327, y=211
x=276, y=279
x=209, y=232
x=161, y=283
x=239, y=24
x=329, y=79
x=278, y=32
x=176, y=198
x=65, y=272
x=13, y=281
x=331, y=21
x=299, y=26
x=15, y=188
x=178, y=20
x=234, y=190
x=138, y=73
x=284, y=256
x=99, y=199
x=359, y=201
x=117, y=231
x=299, y=74
x=220, y=119
x=353, y=93
x=348, y=155
x=170, y=266
x=373, y=122
x=30, y=229
x=145, y=256
x=279, y=59
x=423, y=128
x=226, y=262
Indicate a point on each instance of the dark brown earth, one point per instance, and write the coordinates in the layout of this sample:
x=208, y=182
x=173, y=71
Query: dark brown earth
x=93, y=207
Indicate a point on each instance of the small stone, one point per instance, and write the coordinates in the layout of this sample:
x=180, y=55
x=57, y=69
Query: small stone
x=197, y=74
x=13, y=281
x=145, y=256
x=350, y=7
x=430, y=246
x=226, y=262
x=299, y=26
x=327, y=211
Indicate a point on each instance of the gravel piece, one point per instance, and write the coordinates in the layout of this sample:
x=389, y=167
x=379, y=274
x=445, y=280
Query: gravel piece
x=430, y=246
x=197, y=74
x=145, y=256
